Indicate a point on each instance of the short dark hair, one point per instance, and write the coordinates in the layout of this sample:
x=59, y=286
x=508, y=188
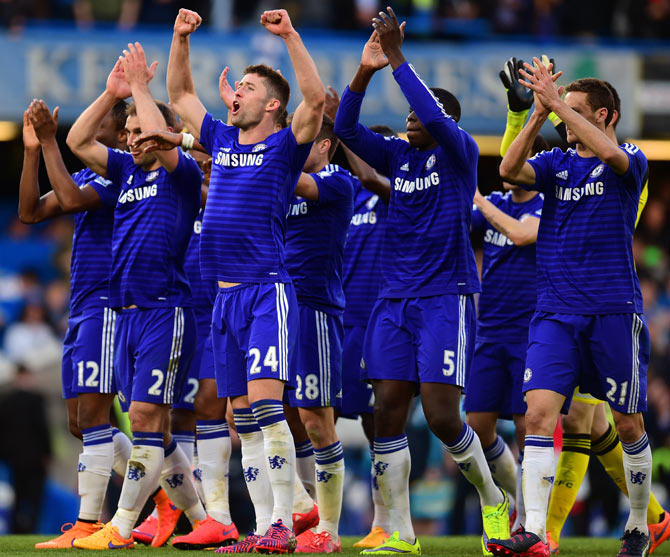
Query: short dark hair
x=277, y=87
x=598, y=94
x=449, y=102
x=166, y=111
x=383, y=130
x=119, y=115
x=327, y=132
x=617, y=101
x=540, y=144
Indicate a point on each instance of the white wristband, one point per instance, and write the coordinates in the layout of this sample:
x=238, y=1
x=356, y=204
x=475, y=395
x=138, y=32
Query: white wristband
x=187, y=141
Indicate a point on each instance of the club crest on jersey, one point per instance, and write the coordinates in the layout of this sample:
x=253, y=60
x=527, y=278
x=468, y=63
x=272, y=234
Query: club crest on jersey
x=527, y=375
x=597, y=171
x=259, y=147
x=151, y=177
x=430, y=163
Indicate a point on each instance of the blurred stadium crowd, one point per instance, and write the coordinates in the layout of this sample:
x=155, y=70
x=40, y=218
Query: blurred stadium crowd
x=464, y=18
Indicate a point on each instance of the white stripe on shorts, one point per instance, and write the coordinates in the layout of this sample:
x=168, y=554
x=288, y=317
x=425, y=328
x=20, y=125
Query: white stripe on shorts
x=323, y=344
x=634, y=392
x=175, y=355
x=282, y=330
x=462, y=342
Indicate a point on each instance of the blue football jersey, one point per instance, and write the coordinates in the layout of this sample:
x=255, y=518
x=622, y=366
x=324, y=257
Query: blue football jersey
x=244, y=226
x=91, y=260
x=362, y=276
x=509, y=295
x=427, y=249
x=315, y=236
x=203, y=291
x=585, y=242
x=153, y=220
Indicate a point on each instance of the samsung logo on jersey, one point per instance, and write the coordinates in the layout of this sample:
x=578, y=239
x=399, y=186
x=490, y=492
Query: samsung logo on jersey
x=575, y=194
x=138, y=194
x=299, y=209
x=234, y=160
x=496, y=238
x=364, y=218
x=408, y=186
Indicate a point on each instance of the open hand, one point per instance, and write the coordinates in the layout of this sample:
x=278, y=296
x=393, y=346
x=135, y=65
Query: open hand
x=30, y=141
x=373, y=57
x=116, y=82
x=226, y=92
x=135, y=69
x=390, y=32
x=158, y=140
x=44, y=123
x=332, y=103
x=277, y=22
x=187, y=22
x=540, y=80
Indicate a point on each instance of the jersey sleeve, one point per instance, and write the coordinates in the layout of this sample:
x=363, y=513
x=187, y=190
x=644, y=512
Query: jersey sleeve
x=441, y=126
x=109, y=189
x=187, y=171
x=333, y=186
x=375, y=149
x=209, y=129
x=542, y=163
x=637, y=166
x=297, y=153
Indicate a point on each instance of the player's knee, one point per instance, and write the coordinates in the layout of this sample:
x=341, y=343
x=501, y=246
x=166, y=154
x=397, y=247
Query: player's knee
x=73, y=426
x=446, y=425
x=145, y=418
x=540, y=422
x=320, y=429
x=630, y=427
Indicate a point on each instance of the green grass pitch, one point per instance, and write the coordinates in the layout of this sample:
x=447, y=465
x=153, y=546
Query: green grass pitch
x=457, y=545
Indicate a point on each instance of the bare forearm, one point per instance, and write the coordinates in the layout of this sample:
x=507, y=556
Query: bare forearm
x=69, y=196
x=503, y=223
x=306, y=73
x=179, y=76
x=361, y=79
x=85, y=128
x=368, y=176
x=29, y=187
x=515, y=157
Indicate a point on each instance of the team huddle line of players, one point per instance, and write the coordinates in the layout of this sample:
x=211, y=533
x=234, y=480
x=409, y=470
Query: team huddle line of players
x=208, y=282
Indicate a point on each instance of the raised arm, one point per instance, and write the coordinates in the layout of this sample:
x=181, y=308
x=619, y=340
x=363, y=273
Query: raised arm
x=180, y=86
x=514, y=168
x=69, y=195
x=521, y=232
x=81, y=139
x=138, y=76
x=307, y=118
x=306, y=187
x=32, y=207
x=541, y=81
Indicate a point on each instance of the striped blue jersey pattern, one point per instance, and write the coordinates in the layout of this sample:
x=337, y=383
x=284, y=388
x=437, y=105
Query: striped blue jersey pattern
x=153, y=220
x=585, y=260
x=427, y=250
x=509, y=296
x=244, y=226
x=202, y=291
x=91, y=252
x=361, y=277
x=315, y=236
